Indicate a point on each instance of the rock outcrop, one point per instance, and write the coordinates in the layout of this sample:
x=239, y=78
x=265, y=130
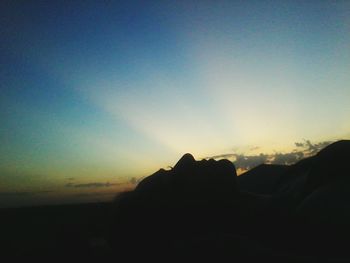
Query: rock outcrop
x=297, y=213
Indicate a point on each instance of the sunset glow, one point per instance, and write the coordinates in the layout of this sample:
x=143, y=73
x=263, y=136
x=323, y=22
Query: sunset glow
x=100, y=94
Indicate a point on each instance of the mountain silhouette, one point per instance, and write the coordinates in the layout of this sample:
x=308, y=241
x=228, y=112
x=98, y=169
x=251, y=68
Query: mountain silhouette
x=331, y=164
x=186, y=205
x=201, y=210
x=324, y=211
x=272, y=212
x=262, y=179
x=192, y=181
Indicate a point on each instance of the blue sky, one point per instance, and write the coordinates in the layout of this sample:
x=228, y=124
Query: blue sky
x=107, y=91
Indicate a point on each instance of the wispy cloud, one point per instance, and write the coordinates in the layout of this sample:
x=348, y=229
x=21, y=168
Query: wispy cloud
x=254, y=148
x=92, y=185
x=221, y=156
x=112, y=193
x=24, y=193
x=302, y=150
x=312, y=148
x=135, y=180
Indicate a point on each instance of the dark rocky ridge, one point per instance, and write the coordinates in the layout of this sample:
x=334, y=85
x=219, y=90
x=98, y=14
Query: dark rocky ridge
x=262, y=179
x=201, y=209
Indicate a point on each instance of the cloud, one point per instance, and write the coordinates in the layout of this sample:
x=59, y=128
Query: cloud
x=314, y=148
x=24, y=193
x=299, y=144
x=95, y=194
x=242, y=161
x=91, y=185
x=220, y=156
x=254, y=148
x=286, y=158
x=136, y=180
x=133, y=180
x=245, y=162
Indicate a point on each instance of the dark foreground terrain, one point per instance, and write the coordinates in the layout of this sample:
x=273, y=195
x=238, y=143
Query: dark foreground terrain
x=55, y=232
x=200, y=210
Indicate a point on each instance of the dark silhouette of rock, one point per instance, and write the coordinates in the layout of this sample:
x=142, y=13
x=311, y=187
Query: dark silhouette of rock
x=185, y=164
x=293, y=180
x=200, y=210
x=293, y=213
x=331, y=164
x=288, y=192
x=192, y=181
x=262, y=179
x=323, y=212
x=328, y=204
x=192, y=199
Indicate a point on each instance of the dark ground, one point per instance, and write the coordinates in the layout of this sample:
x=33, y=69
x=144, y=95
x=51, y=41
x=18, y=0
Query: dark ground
x=52, y=232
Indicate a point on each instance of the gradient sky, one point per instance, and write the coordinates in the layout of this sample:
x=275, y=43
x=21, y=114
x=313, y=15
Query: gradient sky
x=96, y=94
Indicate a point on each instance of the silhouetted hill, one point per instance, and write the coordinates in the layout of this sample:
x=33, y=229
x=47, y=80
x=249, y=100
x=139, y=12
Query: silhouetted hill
x=191, y=181
x=324, y=210
x=177, y=205
x=331, y=164
x=272, y=212
x=293, y=180
x=200, y=210
x=262, y=179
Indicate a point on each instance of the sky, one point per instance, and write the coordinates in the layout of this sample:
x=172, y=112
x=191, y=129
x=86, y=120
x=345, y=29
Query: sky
x=98, y=94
